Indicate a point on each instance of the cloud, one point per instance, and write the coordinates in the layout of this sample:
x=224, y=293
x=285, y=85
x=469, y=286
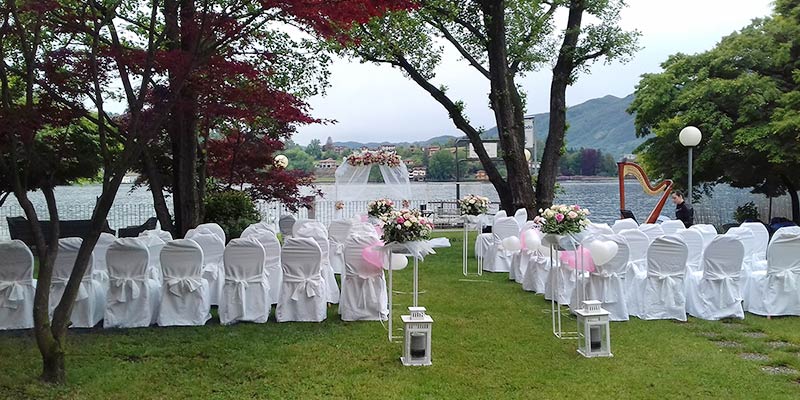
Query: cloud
x=373, y=103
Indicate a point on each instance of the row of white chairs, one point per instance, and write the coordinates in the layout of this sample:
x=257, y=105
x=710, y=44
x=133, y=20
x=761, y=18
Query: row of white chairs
x=152, y=279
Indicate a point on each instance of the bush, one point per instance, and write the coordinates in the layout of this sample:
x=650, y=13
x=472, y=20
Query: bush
x=746, y=212
x=232, y=210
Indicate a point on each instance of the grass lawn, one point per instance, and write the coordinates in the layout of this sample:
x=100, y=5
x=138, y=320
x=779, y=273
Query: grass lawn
x=491, y=340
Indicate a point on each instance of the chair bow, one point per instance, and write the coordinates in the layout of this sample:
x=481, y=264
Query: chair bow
x=312, y=286
x=83, y=293
x=241, y=285
x=789, y=277
x=124, y=283
x=668, y=283
x=610, y=285
x=368, y=293
x=15, y=293
x=179, y=286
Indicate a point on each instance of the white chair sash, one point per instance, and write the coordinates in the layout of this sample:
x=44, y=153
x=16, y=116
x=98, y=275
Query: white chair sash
x=83, y=292
x=15, y=292
x=668, y=283
x=178, y=286
x=127, y=282
x=312, y=285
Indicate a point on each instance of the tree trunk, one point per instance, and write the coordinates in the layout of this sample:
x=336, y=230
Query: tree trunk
x=53, y=368
x=792, y=189
x=157, y=189
x=562, y=72
x=507, y=107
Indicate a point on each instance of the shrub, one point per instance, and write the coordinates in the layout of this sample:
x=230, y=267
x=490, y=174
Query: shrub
x=233, y=210
x=746, y=212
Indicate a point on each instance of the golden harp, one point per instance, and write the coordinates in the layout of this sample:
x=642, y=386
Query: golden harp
x=627, y=168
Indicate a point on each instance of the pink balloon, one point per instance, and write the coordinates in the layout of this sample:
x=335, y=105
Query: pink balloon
x=364, y=218
x=372, y=256
x=568, y=257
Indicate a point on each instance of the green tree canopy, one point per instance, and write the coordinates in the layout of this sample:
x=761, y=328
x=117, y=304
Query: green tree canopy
x=441, y=166
x=743, y=95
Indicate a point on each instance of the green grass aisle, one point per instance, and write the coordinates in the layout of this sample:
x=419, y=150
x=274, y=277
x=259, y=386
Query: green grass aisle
x=491, y=340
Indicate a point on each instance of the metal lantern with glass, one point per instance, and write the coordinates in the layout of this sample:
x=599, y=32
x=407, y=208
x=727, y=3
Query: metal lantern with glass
x=595, y=330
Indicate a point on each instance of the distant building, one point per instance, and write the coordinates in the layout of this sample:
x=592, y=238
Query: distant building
x=481, y=175
x=328, y=144
x=431, y=150
x=130, y=177
x=364, y=148
x=418, y=174
x=629, y=158
x=327, y=164
x=389, y=147
x=339, y=149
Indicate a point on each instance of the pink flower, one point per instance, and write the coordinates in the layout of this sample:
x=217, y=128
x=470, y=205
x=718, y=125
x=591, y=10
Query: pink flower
x=559, y=217
x=400, y=220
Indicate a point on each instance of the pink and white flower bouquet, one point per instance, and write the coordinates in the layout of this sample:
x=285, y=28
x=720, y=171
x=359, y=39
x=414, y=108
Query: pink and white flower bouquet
x=562, y=219
x=380, y=208
x=365, y=158
x=473, y=204
x=406, y=226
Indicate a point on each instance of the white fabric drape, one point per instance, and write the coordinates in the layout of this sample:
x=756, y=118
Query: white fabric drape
x=672, y=226
x=17, y=286
x=213, y=269
x=653, y=231
x=748, y=240
x=776, y=291
x=708, y=232
x=303, y=294
x=761, y=242
x=185, y=296
x=90, y=303
x=364, y=295
x=663, y=289
x=715, y=293
x=607, y=283
x=623, y=224
x=154, y=245
x=133, y=296
x=99, y=255
x=245, y=294
x=351, y=181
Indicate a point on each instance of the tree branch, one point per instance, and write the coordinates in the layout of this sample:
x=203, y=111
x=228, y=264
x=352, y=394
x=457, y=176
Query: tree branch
x=464, y=53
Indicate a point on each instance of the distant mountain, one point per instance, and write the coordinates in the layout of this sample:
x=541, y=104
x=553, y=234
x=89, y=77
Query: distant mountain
x=601, y=123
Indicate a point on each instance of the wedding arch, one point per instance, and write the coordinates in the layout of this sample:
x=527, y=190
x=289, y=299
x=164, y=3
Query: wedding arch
x=353, y=175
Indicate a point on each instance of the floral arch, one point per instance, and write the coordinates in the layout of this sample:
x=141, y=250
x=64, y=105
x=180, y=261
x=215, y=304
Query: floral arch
x=353, y=175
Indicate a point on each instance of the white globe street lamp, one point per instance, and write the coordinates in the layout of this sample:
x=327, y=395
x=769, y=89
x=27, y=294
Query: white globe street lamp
x=281, y=161
x=690, y=137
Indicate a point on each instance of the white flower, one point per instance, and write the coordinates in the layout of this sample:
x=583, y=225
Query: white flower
x=407, y=224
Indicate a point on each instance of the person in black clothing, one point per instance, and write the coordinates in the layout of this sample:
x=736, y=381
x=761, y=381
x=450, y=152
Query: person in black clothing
x=683, y=210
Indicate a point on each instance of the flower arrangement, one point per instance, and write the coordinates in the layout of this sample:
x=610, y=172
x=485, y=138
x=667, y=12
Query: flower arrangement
x=562, y=219
x=380, y=208
x=473, y=205
x=364, y=158
x=406, y=226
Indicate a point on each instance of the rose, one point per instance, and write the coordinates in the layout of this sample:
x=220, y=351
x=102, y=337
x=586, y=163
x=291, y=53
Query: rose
x=559, y=217
x=572, y=215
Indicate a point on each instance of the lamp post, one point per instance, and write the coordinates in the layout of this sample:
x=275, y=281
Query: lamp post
x=690, y=137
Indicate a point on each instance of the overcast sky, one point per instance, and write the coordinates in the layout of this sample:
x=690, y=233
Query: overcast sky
x=376, y=103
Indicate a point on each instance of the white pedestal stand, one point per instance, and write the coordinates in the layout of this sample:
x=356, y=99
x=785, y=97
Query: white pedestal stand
x=415, y=290
x=470, y=219
x=556, y=243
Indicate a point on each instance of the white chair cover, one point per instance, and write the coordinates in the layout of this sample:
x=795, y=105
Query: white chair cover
x=636, y=273
x=672, y=226
x=272, y=262
x=500, y=214
x=363, y=228
x=214, y=228
x=484, y=241
x=315, y=230
x=715, y=293
x=694, y=243
x=185, y=296
x=653, y=231
x=748, y=240
x=338, y=230
x=285, y=225
x=761, y=242
x=302, y=223
x=499, y=259
x=133, y=296
x=154, y=245
x=163, y=235
x=90, y=303
x=17, y=286
x=598, y=229
x=213, y=266
x=99, y=255
x=663, y=290
x=708, y=232
x=535, y=278
x=623, y=224
x=776, y=291
x=521, y=216
x=521, y=260
x=607, y=283
x=257, y=228
x=245, y=294
x=364, y=295
x=303, y=296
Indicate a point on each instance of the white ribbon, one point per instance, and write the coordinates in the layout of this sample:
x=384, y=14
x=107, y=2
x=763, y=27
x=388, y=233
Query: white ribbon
x=15, y=293
x=418, y=248
x=211, y=271
x=610, y=285
x=241, y=286
x=128, y=282
x=311, y=285
x=666, y=283
x=83, y=293
x=179, y=286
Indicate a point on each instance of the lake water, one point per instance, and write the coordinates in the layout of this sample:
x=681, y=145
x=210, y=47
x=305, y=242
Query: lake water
x=134, y=206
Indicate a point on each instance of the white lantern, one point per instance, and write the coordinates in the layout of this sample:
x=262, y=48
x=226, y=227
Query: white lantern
x=417, y=343
x=594, y=330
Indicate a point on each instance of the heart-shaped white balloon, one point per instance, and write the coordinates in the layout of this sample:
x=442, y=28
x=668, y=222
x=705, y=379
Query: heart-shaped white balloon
x=399, y=262
x=532, y=241
x=603, y=251
x=512, y=243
